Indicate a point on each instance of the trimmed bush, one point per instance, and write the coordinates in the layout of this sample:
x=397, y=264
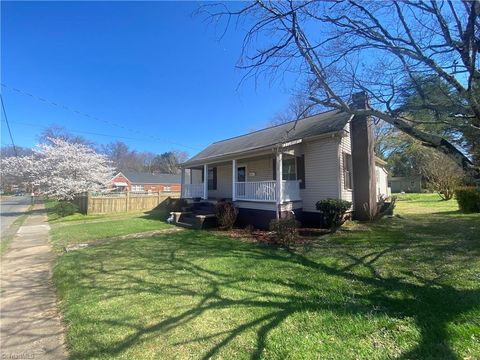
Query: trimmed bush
x=285, y=230
x=333, y=212
x=226, y=214
x=65, y=208
x=468, y=199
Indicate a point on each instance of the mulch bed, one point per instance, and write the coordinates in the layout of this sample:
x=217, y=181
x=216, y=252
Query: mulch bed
x=305, y=235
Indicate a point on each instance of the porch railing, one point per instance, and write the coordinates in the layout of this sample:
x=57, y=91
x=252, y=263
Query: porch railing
x=290, y=190
x=256, y=190
x=191, y=191
x=267, y=190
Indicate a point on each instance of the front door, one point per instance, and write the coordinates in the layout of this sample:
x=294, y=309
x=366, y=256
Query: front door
x=241, y=178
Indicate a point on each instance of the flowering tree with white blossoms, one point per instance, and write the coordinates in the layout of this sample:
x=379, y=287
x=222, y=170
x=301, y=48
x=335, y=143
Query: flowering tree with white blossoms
x=61, y=169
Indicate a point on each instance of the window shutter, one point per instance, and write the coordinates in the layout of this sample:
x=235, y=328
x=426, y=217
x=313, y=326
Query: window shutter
x=301, y=170
x=214, y=178
x=274, y=167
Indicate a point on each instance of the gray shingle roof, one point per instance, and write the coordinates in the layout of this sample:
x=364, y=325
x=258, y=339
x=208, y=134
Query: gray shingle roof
x=330, y=121
x=148, y=178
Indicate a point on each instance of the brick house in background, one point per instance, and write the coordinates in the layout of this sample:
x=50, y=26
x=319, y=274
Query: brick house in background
x=139, y=181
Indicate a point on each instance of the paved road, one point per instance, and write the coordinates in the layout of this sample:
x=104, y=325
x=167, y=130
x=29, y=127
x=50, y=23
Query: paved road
x=10, y=209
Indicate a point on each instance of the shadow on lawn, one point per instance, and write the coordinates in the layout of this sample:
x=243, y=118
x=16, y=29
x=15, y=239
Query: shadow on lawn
x=432, y=303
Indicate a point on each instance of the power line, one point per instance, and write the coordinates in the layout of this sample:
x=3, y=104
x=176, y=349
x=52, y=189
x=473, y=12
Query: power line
x=67, y=108
x=8, y=126
x=79, y=131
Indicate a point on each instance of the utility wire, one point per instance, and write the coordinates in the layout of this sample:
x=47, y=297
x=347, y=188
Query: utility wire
x=80, y=132
x=67, y=108
x=8, y=126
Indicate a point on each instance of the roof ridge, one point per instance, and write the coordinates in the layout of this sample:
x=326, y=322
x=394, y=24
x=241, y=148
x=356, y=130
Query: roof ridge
x=273, y=126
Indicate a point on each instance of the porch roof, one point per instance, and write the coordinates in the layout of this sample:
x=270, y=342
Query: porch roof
x=323, y=123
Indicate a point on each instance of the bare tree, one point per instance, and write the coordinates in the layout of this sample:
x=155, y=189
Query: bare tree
x=298, y=107
x=169, y=162
x=60, y=132
x=122, y=157
x=345, y=46
x=443, y=175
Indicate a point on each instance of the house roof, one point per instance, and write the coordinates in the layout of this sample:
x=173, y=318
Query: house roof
x=148, y=178
x=323, y=123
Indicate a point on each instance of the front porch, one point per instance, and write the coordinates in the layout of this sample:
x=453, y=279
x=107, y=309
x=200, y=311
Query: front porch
x=251, y=179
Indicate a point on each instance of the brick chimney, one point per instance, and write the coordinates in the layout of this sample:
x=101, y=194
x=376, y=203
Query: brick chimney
x=363, y=160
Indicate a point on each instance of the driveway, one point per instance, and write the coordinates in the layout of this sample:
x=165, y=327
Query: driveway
x=10, y=209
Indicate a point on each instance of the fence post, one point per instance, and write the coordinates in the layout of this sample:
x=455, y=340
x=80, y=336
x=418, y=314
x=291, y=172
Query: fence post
x=127, y=201
x=87, y=208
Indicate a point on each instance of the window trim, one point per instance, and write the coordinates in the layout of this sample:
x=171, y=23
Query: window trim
x=213, y=184
x=347, y=171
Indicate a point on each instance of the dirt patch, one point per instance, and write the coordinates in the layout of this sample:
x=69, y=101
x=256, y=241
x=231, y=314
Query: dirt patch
x=305, y=235
x=122, y=237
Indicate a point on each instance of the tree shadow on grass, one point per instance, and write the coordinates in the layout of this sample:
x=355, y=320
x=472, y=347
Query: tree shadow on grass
x=432, y=303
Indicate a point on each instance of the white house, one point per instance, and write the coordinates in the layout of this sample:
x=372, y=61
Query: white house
x=291, y=167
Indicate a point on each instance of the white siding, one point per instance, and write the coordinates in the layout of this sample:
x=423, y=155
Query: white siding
x=262, y=167
x=321, y=172
x=196, y=176
x=224, y=182
x=258, y=205
x=382, y=181
x=345, y=147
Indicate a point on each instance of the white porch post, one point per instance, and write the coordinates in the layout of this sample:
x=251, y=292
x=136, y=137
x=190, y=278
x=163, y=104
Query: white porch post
x=182, y=183
x=205, y=181
x=234, y=180
x=279, y=183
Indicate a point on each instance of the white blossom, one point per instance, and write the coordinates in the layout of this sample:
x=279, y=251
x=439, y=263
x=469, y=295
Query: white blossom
x=61, y=169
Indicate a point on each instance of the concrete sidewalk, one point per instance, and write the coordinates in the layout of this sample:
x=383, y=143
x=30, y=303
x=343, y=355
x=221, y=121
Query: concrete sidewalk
x=30, y=326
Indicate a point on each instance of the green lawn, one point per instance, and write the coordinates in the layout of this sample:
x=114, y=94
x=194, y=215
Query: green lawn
x=78, y=228
x=403, y=288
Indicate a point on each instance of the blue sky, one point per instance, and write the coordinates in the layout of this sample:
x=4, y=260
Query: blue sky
x=151, y=72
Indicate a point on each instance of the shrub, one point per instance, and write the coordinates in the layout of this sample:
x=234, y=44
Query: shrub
x=333, y=212
x=65, y=208
x=285, y=230
x=177, y=205
x=226, y=214
x=468, y=199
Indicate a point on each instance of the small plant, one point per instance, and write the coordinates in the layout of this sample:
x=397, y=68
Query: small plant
x=333, y=212
x=250, y=229
x=285, y=230
x=226, y=214
x=385, y=207
x=65, y=208
x=468, y=199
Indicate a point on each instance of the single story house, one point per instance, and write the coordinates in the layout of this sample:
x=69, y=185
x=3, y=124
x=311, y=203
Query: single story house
x=140, y=181
x=408, y=184
x=290, y=167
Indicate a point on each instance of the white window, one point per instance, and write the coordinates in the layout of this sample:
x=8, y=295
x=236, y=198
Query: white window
x=289, y=169
x=167, y=188
x=137, y=188
x=347, y=171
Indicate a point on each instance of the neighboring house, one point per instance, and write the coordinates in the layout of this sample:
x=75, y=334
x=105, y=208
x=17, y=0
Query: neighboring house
x=329, y=155
x=139, y=181
x=409, y=184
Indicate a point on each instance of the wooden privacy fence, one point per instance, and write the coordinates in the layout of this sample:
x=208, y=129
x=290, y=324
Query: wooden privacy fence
x=122, y=202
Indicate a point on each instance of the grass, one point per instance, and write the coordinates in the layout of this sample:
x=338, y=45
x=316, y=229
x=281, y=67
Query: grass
x=79, y=228
x=404, y=288
x=7, y=240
